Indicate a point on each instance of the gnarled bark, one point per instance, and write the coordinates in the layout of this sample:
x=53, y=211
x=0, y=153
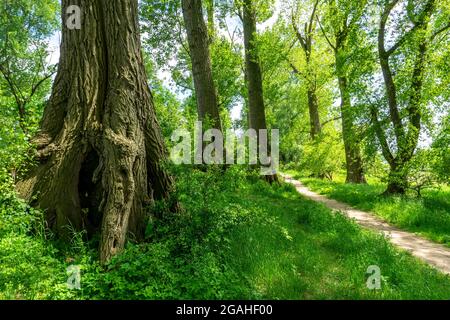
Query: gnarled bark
x=99, y=146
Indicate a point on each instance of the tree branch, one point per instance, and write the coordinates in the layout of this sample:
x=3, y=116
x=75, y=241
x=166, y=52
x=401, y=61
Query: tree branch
x=14, y=90
x=297, y=31
x=418, y=23
x=37, y=85
x=311, y=20
x=381, y=136
x=294, y=68
x=402, y=40
x=331, y=120
x=444, y=28
x=325, y=35
x=384, y=17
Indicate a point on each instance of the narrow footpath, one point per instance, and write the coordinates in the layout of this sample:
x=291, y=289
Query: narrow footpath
x=436, y=255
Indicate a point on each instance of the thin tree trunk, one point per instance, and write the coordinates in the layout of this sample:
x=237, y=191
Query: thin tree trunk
x=313, y=102
x=205, y=89
x=353, y=160
x=100, y=147
x=256, y=112
x=313, y=108
x=22, y=117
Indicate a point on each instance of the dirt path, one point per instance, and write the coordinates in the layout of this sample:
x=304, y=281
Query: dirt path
x=432, y=253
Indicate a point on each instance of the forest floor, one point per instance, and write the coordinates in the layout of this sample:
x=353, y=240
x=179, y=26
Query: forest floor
x=434, y=254
x=238, y=237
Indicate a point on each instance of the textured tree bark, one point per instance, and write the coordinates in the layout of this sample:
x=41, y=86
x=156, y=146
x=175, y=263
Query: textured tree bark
x=256, y=113
x=254, y=77
x=99, y=146
x=397, y=179
x=205, y=90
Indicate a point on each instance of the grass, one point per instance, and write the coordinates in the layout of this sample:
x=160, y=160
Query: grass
x=303, y=251
x=428, y=216
x=239, y=238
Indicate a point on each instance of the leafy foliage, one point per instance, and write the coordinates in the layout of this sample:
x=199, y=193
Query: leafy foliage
x=236, y=236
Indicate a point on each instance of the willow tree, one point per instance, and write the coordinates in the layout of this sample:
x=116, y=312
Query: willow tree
x=99, y=148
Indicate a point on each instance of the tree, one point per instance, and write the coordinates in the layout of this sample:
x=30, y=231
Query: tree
x=99, y=148
x=406, y=130
x=344, y=16
x=198, y=39
x=256, y=109
x=24, y=71
x=306, y=42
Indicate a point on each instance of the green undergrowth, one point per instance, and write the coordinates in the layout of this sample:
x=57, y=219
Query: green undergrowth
x=237, y=237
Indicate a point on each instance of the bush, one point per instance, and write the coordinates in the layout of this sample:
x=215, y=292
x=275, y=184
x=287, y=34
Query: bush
x=323, y=157
x=186, y=254
x=422, y=173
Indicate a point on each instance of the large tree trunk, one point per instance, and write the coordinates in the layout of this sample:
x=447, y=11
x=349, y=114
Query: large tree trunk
x=353, y=160
x=256, y=112
x=198, y=39
x=100, y=147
